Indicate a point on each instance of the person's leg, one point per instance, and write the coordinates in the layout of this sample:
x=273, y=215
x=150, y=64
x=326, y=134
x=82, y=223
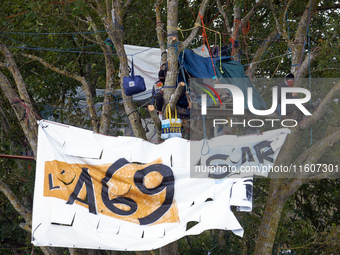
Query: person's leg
x=291, y=108
x=308, y=106
x=159, y=104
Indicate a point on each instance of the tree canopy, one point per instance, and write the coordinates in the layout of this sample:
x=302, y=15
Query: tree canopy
x=49, y=49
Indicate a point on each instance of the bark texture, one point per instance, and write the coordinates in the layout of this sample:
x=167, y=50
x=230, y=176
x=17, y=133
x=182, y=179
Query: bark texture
x=81, y=79
x=156, y=121
x=117, y=36
x=281, y=189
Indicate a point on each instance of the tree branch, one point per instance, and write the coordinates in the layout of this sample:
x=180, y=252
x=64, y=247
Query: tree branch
x=284, y=29
x=115, y=32
x=172, y=57
x=252, y=12
x=175, y=95
x=193, y=33
x=225, y=17
x=95, y=29
x=3, y=65
x=105, y=120
x=19, y=80
x=29, y=127
x=82, y=80
x=304, y=68
x=277, y=23
x=99, y=9
x=159, y=27
x=91, y=5
x=314, y=153
x=107, y=107
x=237, y=14
x=127, y=4
x=259, y=52
x=108, y=11
x=23, y=211
x=323, y=107
x=156, y=121
x=53, y=68
x=325, y=69
x=84, y=35
x=78, y=18
x=299, y=37
x=302, y=27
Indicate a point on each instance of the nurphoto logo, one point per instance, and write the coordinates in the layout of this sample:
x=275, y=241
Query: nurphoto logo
x=238, y=106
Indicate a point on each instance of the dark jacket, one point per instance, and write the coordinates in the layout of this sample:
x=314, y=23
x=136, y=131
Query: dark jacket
x=288, y=95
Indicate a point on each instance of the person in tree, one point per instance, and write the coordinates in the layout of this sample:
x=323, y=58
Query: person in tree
x=289, y=82
x=157, y=92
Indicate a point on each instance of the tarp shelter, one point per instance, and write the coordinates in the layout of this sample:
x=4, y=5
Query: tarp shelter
x=147, y=64
x=232, y=73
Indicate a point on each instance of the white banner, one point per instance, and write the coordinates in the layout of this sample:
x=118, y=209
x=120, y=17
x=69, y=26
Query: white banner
x=237, y=156
x=124, y=193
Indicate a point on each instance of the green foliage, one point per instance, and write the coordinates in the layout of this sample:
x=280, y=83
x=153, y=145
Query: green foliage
x=310, y=221
x=19, y=176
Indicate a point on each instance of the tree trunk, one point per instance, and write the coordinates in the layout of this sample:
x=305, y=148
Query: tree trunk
x=170, y=82
x=22, y=112
x=21, y=104
x=105, y=121
x=298, y=45
x=170, y=249
x=171, y=75
x=117, y=37
x=269, y=224
x=281, y=189
x=270, y=221
x=159, y=28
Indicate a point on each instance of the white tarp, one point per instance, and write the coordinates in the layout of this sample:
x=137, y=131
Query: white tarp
x=124, y=193
x=203, y=51
x=147, y=63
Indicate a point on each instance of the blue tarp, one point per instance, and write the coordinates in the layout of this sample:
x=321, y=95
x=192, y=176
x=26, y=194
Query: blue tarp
x=202, y=67
x=198, y=66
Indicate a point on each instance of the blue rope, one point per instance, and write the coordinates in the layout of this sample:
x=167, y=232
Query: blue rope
x=38, y=47
x=180, y=63
x=69, y=51
x=287, y=26
x=47, y=33
x=271, y=44
x=182, y=71
x=205, y=141
x=99, y=104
